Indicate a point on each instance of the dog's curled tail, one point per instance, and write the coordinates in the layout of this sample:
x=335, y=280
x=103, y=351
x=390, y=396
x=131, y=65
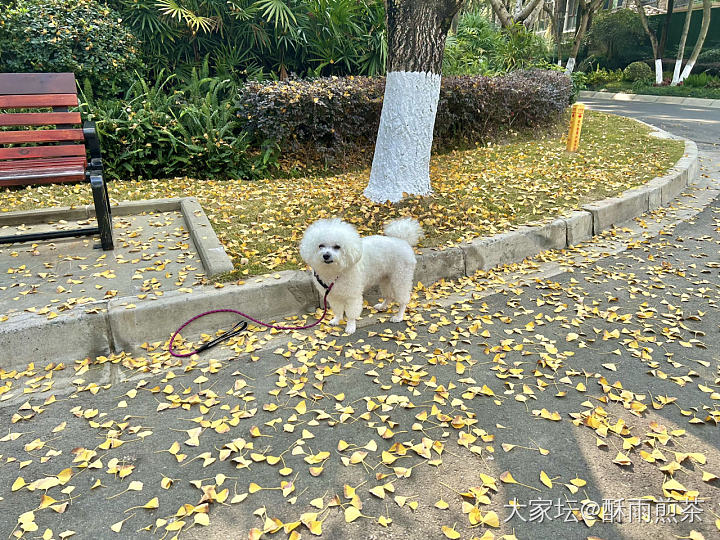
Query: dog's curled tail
x=407, y=229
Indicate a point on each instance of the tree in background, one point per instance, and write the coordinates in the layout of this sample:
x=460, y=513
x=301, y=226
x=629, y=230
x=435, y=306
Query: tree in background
x=665, y=28
x=524, y=14
x=587, y=9
x=678, y=77
x=617, y=38
x=653, y=42
x=681, y=46
x=417, y=30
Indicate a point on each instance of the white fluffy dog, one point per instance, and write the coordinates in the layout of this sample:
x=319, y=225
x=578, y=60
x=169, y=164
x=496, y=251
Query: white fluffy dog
x=338, y=256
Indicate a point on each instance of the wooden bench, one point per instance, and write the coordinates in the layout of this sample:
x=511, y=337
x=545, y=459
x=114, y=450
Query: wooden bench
x=60, y=151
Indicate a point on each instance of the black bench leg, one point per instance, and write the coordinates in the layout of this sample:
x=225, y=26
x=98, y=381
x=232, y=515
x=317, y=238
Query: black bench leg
x=102, y=210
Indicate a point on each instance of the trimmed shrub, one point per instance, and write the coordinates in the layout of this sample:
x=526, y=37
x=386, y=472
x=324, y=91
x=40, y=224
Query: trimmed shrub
x=81, y=36
x=158, y=132
x=601, y=76
x=709, y=56
x=637, y=71
x=327, y=116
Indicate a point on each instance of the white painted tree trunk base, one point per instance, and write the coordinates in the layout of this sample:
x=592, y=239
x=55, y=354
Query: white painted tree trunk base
x=688, y=68
x=658, y=71
x=676, y=73
x=570, y=65
x=401, y=163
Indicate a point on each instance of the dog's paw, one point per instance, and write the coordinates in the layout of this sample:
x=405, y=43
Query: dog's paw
x=350, y=328
x=382, y=306
x=334, y=322
x=397, y=318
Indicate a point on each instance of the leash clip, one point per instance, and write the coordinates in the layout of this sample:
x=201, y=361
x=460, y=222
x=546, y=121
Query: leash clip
x=234, y=331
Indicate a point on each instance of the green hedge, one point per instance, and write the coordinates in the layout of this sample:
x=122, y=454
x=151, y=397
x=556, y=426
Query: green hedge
x=208, y=128
x=80, y=36
x=324, y=117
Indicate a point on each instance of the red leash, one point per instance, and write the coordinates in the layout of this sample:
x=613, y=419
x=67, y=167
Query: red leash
x=239, y=327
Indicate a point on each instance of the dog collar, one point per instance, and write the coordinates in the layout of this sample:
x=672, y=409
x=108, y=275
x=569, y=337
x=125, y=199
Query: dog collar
x=322, y=283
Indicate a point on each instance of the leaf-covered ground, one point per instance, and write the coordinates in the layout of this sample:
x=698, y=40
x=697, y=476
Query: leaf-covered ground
x=477, y=192
x=510, y=405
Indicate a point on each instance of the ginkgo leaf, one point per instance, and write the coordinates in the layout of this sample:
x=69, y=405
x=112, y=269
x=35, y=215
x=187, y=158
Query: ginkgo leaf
x=201, y=519
x=507, y=477
x=378, y=491
x=152, y=504
x=491, y=519
x=351, y=514
x=545, y=479
x=253, y=487
x=450, y=532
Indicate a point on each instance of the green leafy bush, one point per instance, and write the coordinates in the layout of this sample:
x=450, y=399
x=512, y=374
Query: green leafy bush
x=325, y=117
x=261, y=38
x=601, y=76
x=80, y=36
x=519, y=49
x=637, y=71
x=479, y=47
x=709, y=56
x=159, y=132
x=469, y=50
x=701, y=80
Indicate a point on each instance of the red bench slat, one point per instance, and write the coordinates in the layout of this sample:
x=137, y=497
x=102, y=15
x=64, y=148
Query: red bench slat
x=41, y=135
x=41, y=100
x=23, y=165
x=37, y=83
x=39, y=119
x=54, y=177
x=61, y=150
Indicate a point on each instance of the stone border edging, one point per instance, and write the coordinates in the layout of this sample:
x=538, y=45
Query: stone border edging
x=275, y=296
x=212, y=255
x=623, y=96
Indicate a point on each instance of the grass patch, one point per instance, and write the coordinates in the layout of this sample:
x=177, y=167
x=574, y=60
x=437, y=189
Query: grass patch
x=679, y=91
x=478, y=192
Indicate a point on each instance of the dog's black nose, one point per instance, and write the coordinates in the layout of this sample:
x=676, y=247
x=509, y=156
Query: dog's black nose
x=326, y=256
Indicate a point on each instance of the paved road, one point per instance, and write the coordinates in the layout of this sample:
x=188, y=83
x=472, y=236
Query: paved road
x=597, y=386
x=700, y=124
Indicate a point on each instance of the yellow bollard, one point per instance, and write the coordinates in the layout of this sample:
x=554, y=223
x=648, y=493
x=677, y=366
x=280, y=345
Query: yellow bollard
x=576, y=120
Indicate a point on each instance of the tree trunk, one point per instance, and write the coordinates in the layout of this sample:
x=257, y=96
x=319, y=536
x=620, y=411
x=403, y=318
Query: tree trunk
x=520, y=13
x=587, y=9
x=666, y=28
x=681, y=47
x=653, y=41
x=700, y=40
x=416, y=31
x=562, y=7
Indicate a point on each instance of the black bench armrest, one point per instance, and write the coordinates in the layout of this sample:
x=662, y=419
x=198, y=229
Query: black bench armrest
x=93, y=145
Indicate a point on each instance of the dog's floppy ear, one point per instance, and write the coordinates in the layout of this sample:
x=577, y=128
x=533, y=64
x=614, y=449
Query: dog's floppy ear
x=309, y=241
x=353, y=250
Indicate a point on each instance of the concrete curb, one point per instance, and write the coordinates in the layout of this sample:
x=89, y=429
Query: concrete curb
x=212, y=254
x=272, y=297
x=622, y=96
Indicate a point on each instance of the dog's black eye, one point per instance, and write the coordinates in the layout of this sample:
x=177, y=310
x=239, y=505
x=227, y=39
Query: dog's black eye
x=336, y=247
x=321, y=246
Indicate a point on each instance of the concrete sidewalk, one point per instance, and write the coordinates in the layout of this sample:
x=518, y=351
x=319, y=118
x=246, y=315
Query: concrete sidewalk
x=128, y=322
